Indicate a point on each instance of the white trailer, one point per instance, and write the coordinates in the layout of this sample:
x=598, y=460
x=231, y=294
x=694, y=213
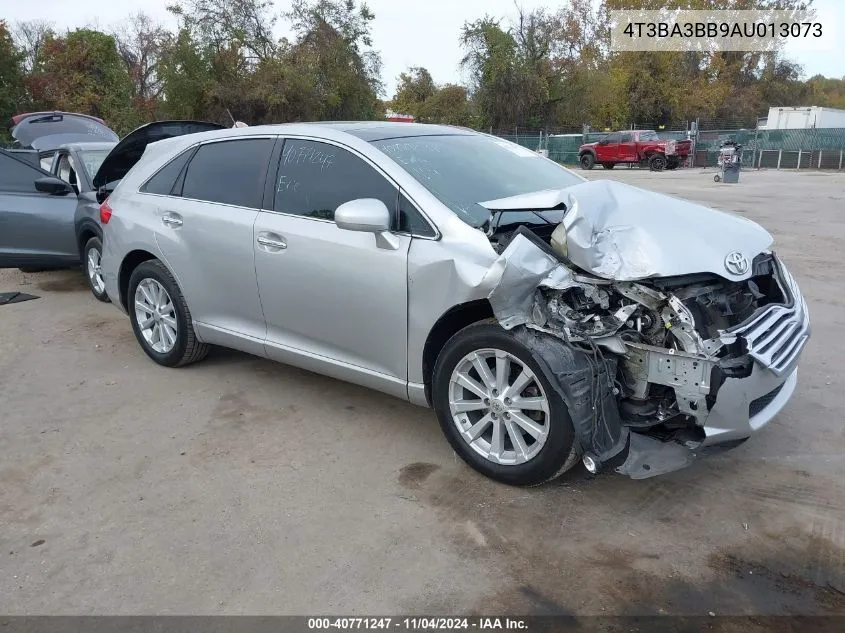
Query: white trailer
x=802, y=118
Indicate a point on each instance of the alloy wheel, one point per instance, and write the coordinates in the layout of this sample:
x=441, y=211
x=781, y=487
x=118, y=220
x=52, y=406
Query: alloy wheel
x=156, y=315
x=95, y=273
x=499, y=406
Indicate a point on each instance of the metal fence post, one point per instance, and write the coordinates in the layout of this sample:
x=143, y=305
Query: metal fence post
x=780, y=154
x=799, y=159
x=756, y=149
x=820, y=159
x=840, y=160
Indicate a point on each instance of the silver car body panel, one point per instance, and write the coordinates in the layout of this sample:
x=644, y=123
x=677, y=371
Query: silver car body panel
x=371, y=328
x=441, y=272
x=624, y=233
x=36, y=228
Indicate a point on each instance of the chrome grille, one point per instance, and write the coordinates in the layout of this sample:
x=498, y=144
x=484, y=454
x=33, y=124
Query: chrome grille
x=776, y=336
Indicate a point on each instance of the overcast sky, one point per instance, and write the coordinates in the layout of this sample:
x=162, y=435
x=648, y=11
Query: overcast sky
x=406, y=32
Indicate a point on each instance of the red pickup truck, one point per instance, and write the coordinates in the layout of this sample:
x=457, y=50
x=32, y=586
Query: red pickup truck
x=634, y=146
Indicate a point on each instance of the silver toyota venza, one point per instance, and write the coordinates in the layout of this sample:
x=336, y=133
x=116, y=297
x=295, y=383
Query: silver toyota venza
x=546, y=319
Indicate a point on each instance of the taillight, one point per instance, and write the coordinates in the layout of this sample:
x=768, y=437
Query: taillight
x=105, y=212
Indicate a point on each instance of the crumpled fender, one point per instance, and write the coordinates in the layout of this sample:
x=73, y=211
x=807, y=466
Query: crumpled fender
x=579, y=379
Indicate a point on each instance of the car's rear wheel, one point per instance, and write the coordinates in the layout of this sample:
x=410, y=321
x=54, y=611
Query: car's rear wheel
x=91, y=256
x=607, y=165
x=161, y=318
x=587, y=161
x=498, y=409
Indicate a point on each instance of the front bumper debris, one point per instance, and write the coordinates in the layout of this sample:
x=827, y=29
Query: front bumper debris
x=650, y=398
x=648, y=456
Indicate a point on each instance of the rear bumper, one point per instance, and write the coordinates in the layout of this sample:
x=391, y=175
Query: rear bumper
x=113, y=291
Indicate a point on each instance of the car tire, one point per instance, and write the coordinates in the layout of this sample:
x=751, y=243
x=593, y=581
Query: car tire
x=91, y=256
x=608, y=165
x=587, y=161
x=657, y=162
x=545, y=446
x=166, y=332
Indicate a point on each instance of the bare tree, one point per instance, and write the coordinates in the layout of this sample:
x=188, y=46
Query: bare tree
x=29, y=37
x=141, y=42
x=248, y=24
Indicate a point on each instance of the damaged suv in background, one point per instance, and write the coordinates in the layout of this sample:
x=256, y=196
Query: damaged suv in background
x=546, y=319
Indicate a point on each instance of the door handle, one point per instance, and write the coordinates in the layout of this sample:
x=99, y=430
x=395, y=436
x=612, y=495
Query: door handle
x=171, y=220
x=271, y=241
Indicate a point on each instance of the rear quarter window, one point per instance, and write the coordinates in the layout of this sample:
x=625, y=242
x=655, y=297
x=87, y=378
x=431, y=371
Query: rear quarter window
x=164, y=180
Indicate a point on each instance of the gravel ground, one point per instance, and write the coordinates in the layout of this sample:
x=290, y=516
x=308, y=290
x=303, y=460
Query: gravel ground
x=242, y=486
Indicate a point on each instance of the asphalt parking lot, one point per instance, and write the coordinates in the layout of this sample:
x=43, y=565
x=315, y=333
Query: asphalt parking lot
x=242, y=486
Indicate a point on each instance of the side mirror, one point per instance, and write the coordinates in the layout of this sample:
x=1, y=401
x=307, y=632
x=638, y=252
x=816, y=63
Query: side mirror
x=604, y=141
x=367, y=215
x=52, y=185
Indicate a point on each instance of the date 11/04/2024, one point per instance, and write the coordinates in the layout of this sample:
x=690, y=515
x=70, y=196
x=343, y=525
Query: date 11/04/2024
x=419, y=623
x=723, y=29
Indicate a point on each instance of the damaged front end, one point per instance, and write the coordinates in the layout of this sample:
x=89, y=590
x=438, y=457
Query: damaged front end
x=657, y=370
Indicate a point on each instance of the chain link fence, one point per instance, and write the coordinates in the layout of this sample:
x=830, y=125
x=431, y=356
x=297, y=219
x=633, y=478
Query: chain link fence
x=814, y=148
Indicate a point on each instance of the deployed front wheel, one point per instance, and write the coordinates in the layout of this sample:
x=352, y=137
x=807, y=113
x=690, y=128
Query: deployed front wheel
x=587, y=161
x=498, y=410
x=160, y=317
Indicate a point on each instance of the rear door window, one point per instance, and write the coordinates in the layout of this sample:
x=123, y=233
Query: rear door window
x=229, y=172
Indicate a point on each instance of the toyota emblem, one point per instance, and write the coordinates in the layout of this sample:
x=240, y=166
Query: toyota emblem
x=736, y=263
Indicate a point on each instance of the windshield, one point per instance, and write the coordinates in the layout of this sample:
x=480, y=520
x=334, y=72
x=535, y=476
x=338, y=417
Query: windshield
x=650, y=135
x=463, y=170
x=92, y=159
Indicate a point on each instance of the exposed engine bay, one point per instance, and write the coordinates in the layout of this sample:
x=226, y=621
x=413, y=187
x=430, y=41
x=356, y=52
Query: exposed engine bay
x=659, y=349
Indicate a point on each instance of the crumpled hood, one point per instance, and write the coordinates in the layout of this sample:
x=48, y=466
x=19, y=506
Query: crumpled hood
x=620, y=232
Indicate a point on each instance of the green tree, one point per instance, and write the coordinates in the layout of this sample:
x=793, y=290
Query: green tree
x=448, y=105
x=337, y=73
x=83, y=72
x=501, y=91
x=186, y=76
x=415, y=86
x=826, y=91
x=12, y=95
